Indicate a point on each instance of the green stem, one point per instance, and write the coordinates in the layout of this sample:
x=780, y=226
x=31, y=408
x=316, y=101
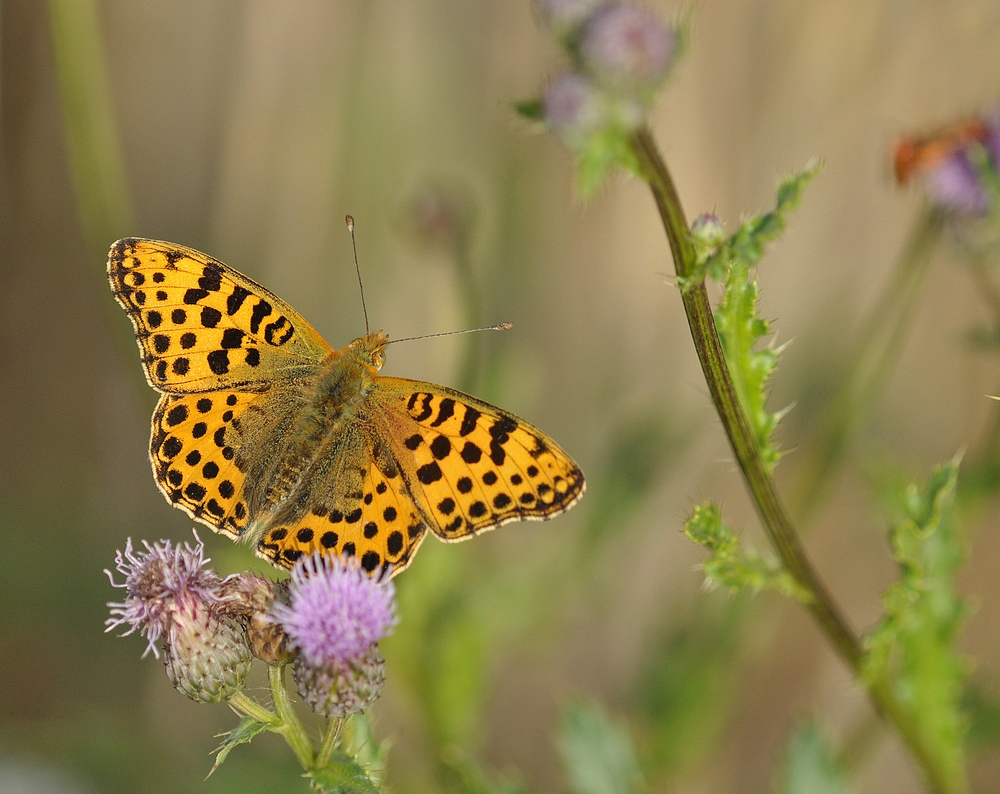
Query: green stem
x=330, y=739
x=291, y=728
x=775, y=518
x=250, y=708
x=877, y=345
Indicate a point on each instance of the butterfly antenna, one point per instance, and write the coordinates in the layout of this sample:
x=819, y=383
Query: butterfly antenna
x=497, y=327
x=357, y=267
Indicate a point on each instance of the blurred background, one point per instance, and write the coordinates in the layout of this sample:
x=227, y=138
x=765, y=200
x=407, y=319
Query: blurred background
x=247, y=130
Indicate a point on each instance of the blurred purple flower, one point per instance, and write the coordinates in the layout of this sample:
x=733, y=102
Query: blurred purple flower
x=160, y=583
x=955, y=184
x=573, y=107
x=623, y=44
x=336, y=611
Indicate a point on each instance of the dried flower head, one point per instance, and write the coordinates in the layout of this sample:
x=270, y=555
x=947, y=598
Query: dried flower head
x=159, y=583
x=335, y=610
x=170, y=595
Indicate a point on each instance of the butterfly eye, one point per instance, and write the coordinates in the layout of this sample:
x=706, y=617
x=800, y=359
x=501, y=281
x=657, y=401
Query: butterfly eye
x=378, y=358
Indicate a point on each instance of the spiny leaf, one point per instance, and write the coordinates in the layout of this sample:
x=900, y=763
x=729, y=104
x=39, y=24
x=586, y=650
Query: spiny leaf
x=746, y=246
x=247, y=728
x=740, y=330
x=732, y=566
x=343, y=775
x=913, y=646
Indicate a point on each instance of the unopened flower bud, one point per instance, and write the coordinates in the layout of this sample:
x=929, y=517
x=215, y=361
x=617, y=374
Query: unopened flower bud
x=207, y=656
x=626, y=46
x=341, y=688
x=707, y=231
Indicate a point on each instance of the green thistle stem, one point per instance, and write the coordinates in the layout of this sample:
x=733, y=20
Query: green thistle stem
x=775, y=518
x=330, y=739
x=250, y=708
x=291, y=727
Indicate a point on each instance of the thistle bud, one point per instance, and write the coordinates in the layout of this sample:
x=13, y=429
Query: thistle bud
x=206, y=656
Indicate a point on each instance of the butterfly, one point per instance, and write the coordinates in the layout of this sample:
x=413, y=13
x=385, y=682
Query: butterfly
x=915, y=155
x=267, y=434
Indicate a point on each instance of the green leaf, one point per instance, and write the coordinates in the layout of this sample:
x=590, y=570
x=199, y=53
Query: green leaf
x=732, y=566
x=531, y=109
x=740, y=327
x=811, y=766
x=602, y=150
x=747, y=245
x=913, y=646
x=247, y=728
x=598, y=755
x=343, y=775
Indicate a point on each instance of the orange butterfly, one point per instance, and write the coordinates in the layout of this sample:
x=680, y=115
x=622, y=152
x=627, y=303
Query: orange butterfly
x=912, y=155
x=267, y=434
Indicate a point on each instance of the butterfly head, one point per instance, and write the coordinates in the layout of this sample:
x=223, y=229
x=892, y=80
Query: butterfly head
x=369, y=349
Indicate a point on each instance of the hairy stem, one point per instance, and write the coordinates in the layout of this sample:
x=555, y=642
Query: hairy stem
x=331, y=737
x=773, y=514
x=292, y=728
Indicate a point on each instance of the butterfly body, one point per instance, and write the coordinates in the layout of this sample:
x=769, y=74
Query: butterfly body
x=267, y=434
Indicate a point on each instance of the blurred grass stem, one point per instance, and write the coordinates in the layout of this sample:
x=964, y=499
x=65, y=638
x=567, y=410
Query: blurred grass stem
x=95, y=157
x=877, y=346
x=773, y=514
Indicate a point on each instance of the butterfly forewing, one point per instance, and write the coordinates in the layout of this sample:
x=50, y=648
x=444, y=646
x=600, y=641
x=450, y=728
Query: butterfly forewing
x=203, y=326
x=473, y=465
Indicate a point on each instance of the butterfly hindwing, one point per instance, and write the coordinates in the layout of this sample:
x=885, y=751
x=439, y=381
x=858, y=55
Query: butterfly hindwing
x=194, y=456
x=203, y=326
x=362, y=509
x=473, y=465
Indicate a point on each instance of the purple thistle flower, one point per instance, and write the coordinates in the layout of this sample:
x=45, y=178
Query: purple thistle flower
x=336, y=611
x=955, y=184
x=622, y=44
x=160, y=583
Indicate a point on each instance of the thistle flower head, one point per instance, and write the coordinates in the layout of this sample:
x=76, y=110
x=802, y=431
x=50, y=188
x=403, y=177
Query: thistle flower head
x=629, y=46
x=335, y=611
x=955, y=184
x=573, y=108
x=160, y=583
